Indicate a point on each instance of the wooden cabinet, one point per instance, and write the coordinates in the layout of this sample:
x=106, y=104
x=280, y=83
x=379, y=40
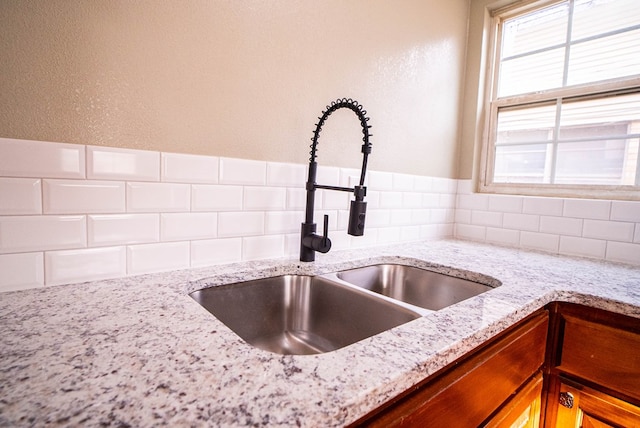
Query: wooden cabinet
x=581, y=406
x=472, y=390
x=566, y=366
x=593, y=369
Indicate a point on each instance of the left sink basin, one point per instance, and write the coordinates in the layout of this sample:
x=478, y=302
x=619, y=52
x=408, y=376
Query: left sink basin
x=298, y=314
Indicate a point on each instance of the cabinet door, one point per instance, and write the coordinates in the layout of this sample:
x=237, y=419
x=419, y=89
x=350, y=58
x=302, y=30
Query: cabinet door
x=585, y=407
x=523, y=410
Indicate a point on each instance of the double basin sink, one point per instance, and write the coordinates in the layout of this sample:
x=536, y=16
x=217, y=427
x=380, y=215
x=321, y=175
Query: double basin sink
x=299, y=314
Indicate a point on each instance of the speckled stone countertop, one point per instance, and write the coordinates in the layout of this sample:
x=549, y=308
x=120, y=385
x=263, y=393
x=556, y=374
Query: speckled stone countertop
x=139, y=351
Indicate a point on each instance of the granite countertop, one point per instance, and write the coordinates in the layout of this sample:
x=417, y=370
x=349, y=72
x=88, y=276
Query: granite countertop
x=138, y=351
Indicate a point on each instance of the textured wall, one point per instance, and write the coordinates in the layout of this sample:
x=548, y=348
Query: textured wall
x=243, y=79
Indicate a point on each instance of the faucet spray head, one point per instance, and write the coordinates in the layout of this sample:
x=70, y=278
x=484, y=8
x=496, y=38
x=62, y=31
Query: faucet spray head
x=357, y=212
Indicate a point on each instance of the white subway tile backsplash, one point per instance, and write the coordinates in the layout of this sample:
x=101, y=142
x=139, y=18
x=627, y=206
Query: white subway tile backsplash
x=442, y=215
x=527, y=222
x=122, y=229
x=262, y=247
x=343, y=220
x=445, y=185
x=411, y=200
x=235, y=224
x=83, y=196
x=408, y=233
x=63, y=267
x=403, y=182
x=183, y=168
x=37, y=233
x=400, y=217
x=423, y=184
x=586, y=247
x=328, y=175
x=20, y=196
x=474, y=201
x=377, y=218
x=208, y=252
x=369, y=239
x=463, y=216
x=561, y=225
x=387, y=235
x=542, y=206
x=431, y=200
x=350, y=177
x=180, y=210
x=465, y=187
x=242, y=171
x=433, y=231
x=39, y=159
x=292, y=245
x=108, y=163
x=503, y=236
x=587, y=208
x=211, y=197
x=608, y=230
x=160, y=257
x=188, y=226
x=540, y=241
x=420, y=216
x=471, y=232
x=21, y=271
x=264, y=198
x=623, y=252
x=285, y=174
x=283, y=222
x=381, y=181
x=625, y=211
x=335, y=200
x=447, y=200
x=158, y=197
x=373, y=199
x=506, y=203
x=390, y=200
x=296, y=199
x=486, y=218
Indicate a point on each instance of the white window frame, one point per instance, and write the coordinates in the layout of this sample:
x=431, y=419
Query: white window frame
x=493, y=103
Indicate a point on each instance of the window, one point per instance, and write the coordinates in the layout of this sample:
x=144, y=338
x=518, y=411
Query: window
x=564, y=107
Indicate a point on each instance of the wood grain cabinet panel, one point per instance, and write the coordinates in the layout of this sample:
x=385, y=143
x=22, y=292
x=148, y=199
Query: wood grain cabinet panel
x=469, y=392
x=601, y=354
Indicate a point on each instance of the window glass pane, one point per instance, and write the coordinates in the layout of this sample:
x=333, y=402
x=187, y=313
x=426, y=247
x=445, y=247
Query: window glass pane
x=535, y=30
x=525, y=163
x=531, y=73
x=605, y=58
x=591, y=162
x=529, y=124
x=609, y=116
x=592, y=17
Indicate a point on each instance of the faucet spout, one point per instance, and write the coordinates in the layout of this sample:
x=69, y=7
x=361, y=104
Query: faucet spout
x=310, y=242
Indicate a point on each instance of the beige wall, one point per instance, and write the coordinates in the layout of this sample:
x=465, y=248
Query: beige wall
x=238, y=78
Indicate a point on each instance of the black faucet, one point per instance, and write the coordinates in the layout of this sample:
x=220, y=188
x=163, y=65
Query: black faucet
x=310, y=242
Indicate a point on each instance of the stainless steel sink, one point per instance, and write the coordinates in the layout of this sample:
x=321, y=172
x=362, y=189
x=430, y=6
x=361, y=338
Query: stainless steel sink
x=420, y=287
x=295, y=314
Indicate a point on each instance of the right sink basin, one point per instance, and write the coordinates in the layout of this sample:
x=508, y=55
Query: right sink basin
x=419, y=287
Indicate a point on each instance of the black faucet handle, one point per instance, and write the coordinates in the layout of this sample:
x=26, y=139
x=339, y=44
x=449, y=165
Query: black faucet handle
x=325, y=230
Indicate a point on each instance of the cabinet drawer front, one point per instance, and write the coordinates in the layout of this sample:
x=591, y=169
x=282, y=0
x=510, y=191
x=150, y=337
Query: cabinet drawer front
x=602, y=354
